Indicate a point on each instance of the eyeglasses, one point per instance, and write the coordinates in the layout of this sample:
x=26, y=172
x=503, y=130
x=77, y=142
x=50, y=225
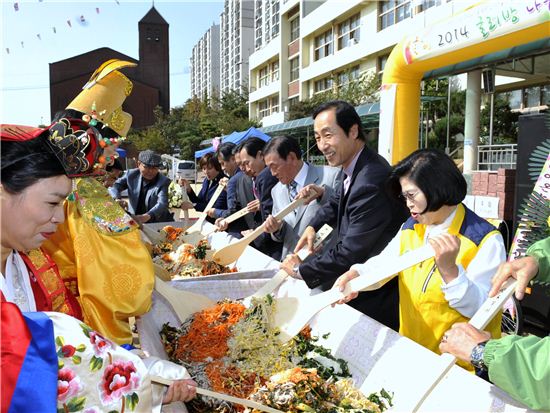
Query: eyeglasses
x=407, y=196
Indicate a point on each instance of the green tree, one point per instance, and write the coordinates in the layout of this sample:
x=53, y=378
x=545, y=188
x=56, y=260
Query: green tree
x=505, y=122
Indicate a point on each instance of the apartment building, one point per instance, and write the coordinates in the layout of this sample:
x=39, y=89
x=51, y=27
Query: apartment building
x=236, y=43
x=205, y=64
x=322, y=45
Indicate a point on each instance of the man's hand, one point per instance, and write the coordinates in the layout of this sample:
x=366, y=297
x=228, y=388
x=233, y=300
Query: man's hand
x=311, y=192
x=246, y=232
x=180, y=390
x=253, y=206
x=446, y=247
x=123, y=204
x=272, y=225
x=341, y=285
x=221, y=224
x=523, y=269
x=290, y=262
x=461, y=339
x=224, y=181
x=211, y=212
x=307, y=238
x=142, y=219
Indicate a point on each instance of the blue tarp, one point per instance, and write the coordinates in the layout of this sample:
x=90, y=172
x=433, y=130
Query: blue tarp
x=236, y=138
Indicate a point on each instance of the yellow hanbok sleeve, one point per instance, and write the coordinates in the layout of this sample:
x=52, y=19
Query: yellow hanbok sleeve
x=114, y=269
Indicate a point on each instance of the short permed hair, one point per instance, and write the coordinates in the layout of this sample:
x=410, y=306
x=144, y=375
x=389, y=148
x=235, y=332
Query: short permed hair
x=210, y=160
x=435, y=174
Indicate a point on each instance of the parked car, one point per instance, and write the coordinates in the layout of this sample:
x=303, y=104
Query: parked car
x=186, y=170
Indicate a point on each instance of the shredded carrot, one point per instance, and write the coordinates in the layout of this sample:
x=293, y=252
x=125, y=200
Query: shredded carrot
x=208, y=332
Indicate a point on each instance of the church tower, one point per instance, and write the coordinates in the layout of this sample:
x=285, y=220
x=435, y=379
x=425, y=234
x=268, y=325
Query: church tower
x=154, y=58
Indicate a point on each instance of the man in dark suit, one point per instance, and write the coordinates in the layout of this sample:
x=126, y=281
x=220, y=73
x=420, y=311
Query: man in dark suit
x=147, y=190
x=238, y=194
x=252, y=159
x=363, y=216
x=283, y=157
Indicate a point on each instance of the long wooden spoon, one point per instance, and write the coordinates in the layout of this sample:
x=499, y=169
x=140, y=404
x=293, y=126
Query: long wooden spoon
x=230, y=253
x=481, y=318
x=292, y=314
x=231, y=218
x=282, y=275
x=184, y=303
x=197, y=226
x=221, y=396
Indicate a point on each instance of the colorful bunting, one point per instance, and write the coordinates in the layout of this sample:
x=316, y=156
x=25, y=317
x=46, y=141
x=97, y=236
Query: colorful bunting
x=16, y=6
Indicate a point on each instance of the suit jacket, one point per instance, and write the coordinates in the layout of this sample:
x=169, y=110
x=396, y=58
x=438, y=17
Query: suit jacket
x=207, y=191
x=156, y=199
x=264, y=183
x=295, y=223
x=365, y=220
x=239, y=194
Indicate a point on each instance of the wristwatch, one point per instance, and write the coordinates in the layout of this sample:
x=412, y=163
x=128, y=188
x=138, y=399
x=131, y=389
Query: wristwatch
x=476, y=357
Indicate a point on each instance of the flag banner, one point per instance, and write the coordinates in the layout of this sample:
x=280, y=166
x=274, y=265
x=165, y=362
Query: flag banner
x=29, y=361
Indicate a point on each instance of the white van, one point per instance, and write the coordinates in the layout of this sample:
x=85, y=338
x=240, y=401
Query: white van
x=186, y=170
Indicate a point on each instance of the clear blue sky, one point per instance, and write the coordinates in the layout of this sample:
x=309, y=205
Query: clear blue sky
x=24, y=72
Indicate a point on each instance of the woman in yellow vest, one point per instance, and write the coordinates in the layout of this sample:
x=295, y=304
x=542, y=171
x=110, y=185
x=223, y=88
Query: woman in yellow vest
x=449, y=288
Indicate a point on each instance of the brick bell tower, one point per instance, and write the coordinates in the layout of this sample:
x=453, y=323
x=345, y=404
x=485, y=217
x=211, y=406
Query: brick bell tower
x=154, y=57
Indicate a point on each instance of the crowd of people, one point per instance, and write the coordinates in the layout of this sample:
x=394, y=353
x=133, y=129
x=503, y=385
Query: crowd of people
x=71, y=248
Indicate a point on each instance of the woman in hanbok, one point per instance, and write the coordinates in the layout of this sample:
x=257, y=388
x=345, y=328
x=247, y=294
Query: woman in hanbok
x=53, y=361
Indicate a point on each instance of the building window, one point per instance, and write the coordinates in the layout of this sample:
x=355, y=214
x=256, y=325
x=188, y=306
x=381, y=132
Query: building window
x=348, y=31
x=427, y=4
x=263, y=108
x=545, y=98
x=381, y=63
x=294, y=28
x=274, y=104
x=515, y=99
x=275, y=71
x=292, y=102
x=263, y=76
x=347, y=76
x=323, y=45
x=322, y=85
x=294, y=69
x=393, y=11
x=532, y=97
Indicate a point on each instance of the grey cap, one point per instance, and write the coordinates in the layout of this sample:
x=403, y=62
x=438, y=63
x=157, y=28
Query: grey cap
x=150, y=158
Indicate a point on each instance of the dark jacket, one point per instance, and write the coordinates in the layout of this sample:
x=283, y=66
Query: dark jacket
x=365, y=220
x=156, y=198
x=207, y=191
x=264, y=183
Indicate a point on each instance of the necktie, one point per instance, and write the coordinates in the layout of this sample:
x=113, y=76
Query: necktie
x=255, y=190
x=292, y=190
x=347, y=181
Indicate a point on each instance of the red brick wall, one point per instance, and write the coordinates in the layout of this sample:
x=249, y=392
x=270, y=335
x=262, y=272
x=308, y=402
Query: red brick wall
x=499, y=184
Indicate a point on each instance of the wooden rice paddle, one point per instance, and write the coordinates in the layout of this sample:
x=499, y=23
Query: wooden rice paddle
x=184, y=303
x=292, y=314
x=230, y=253
x=481, y=318
x=197, y=226
x=282, y=275
x=221, y=396
x=231, y=218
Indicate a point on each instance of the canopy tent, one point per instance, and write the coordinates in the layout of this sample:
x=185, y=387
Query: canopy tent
x=236, y=138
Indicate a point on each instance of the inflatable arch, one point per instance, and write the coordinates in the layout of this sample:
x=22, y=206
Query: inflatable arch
x=481, y=29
